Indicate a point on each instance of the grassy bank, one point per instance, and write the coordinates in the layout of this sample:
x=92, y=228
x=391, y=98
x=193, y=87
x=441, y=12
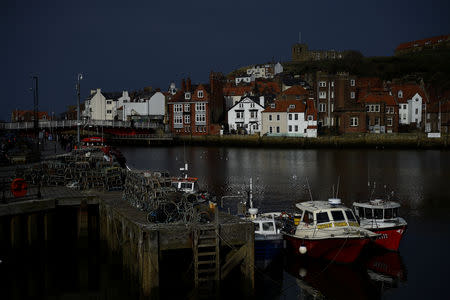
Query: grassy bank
x=380, y=141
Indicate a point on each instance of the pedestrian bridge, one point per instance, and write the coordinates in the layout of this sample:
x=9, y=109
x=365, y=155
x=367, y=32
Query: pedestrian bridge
x=83, y=124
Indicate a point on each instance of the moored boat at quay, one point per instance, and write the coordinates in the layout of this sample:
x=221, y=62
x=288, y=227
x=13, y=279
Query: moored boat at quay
x=327, y=230
x=382, y=217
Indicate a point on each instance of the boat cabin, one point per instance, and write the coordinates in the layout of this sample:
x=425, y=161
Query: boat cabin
x=265, y=226
x=323, y=214
x=377, y=209
x=186, y=185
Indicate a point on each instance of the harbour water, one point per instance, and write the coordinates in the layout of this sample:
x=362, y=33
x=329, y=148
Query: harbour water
x=419, y=180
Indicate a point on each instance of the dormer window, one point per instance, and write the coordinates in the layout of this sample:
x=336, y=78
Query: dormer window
x=272, y=105
x=187, y=96
x=200, y=94
x=291, y=105
x=352, y=82
x=310, y=118
x=400, y=94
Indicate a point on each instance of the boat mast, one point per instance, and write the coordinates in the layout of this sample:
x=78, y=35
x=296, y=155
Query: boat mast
x=251, y=193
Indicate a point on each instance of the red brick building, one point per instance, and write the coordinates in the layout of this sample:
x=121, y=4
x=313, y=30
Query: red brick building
x=441, y=41
x=28, y=116
x=197, y=109
x=381, y=112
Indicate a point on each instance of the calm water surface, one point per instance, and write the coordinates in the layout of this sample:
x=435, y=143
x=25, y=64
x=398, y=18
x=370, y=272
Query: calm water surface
x=419, y=180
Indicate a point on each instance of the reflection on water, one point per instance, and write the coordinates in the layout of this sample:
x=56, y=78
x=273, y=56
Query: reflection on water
x=418, y=180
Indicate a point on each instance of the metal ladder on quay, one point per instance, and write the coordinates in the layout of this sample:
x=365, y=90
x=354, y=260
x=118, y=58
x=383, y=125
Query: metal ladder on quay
x=206, y=258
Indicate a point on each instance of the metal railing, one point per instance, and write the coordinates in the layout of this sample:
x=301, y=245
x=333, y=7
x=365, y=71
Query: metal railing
x=83, y=124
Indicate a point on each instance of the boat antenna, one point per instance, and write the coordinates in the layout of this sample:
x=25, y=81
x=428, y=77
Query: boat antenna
x=251, y=193
x=373, y=190
x=337, y=188
x=309, y=189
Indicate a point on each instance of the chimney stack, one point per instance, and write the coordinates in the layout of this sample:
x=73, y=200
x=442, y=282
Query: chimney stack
x=183, y=85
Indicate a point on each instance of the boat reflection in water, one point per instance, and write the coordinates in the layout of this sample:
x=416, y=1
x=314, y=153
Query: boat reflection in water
x=367, y=278
x=386, y=269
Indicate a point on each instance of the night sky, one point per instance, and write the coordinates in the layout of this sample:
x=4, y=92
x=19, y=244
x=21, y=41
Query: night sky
x=126, y=45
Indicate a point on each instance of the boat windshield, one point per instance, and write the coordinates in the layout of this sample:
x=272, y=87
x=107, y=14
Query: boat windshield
x=186, y=185
x=378, y=213
x=322, y=217
x=368, y=213
x=337, y=215
x=350, y=215
x=395, y=212
x=388, y=213
x=256, y=226
x=268, y=226
x=308, y=217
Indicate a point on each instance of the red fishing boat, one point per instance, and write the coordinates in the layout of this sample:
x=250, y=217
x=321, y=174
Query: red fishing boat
x=382, y=217
x=328, y=230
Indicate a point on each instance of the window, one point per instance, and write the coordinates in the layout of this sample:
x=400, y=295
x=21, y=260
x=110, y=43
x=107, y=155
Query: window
x=404, y=106
x=378, y=213
x=389, y=121
x=310, y=118
x=268, y=226
x=377, y=108
x=270, y=129
x=417, y=111
x=290, y=117
x=109, y=102
x=187, y=96
x=296, y=117
x=350, y=215
x=270, y=117
x=390, y=110
x=178, y=119
x=252, y=105
x=278, y=129
x=322, y=83
x=278, y=117
x=322, y=95
x=332, y=95
x=308, y=217
x=352, y=95
x=388, y=213
x=322, y=107
x=290, y=128
x=272, y=105
x=291, y=105
x=368, y=213
x=241, y=105
x=108, y=111
x=332, y=107
x=322, y=217
x=187, y=119
x=296, y=128
x=296, y=98
x=253, y=114
x=200, y=94
x=338, y=215
x=177, y=108
x=377, y=121
x=239, y=114
x=400, y=94
x=332, y=84
x=200, y=106
x=354, y=121
x=187, y=107
x=352, y=82
x=200, y=118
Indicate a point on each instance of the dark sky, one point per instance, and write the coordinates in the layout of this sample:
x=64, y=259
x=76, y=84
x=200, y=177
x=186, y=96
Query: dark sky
x=131, y=44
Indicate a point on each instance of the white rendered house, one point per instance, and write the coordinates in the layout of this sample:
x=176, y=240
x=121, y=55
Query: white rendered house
x=246, y=114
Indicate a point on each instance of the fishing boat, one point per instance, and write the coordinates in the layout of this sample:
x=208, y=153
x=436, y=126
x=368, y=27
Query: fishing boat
x=268, y=238
x=327, y=230
x=382, y=218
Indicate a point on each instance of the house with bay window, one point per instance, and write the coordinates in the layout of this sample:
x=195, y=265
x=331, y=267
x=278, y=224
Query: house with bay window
x=195, y=109
x=246, y=115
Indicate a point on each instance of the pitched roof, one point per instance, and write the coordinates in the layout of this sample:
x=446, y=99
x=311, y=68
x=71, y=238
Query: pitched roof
x=311, y=108
x=252, y=98
x=379, y=98
x=428, y=41
x=285, y=106
x=295, y=90
x=408, y=91
x=237, y=90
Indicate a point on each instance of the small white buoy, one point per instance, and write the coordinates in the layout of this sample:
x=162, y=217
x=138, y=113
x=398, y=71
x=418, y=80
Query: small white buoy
x=302, y=249
x=302, y=272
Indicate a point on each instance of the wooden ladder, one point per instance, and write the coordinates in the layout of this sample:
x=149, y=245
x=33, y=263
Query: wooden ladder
x=206, y=257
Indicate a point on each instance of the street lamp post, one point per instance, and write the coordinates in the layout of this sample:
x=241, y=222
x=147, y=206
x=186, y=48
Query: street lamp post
x=35, y=89
x=79, y=77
